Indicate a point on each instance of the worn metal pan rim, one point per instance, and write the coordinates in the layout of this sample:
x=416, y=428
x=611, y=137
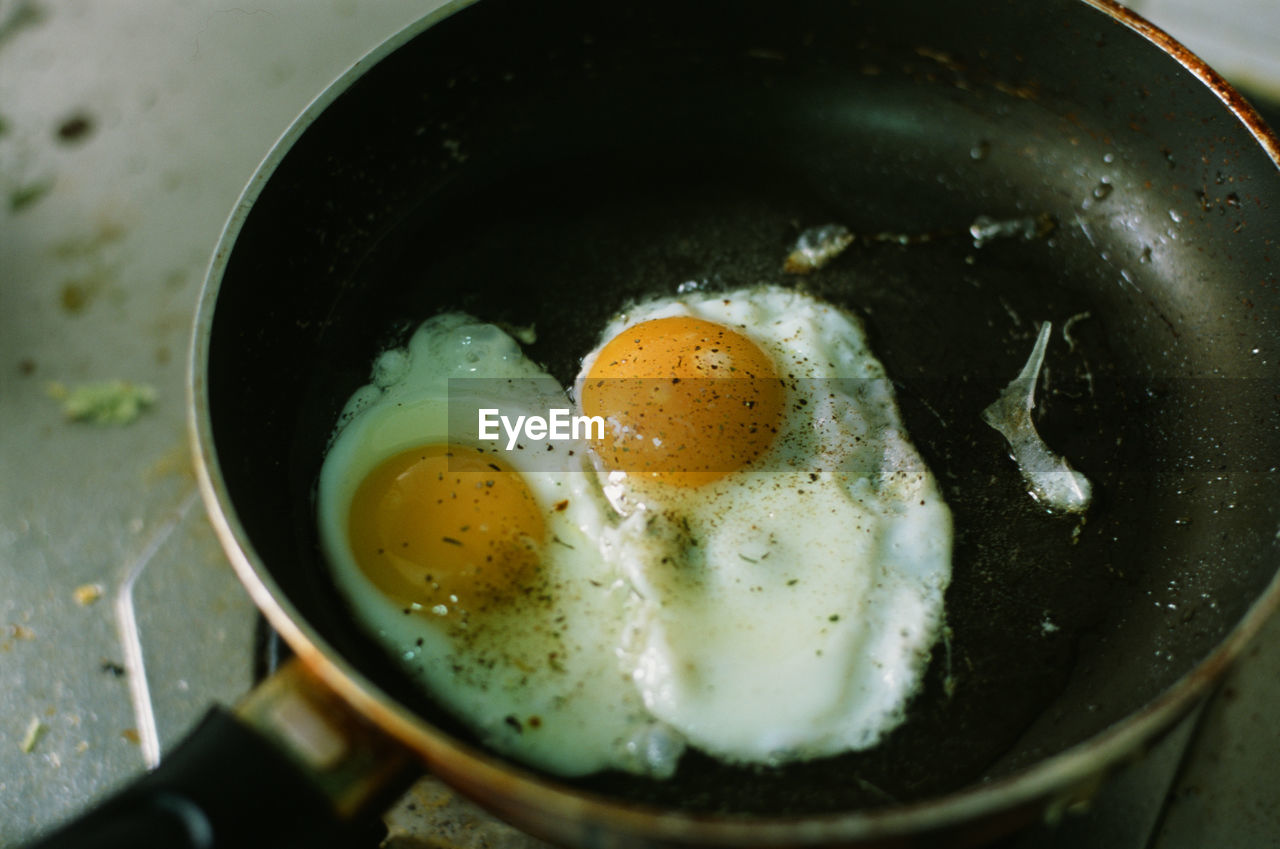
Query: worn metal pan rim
x=1052, y=784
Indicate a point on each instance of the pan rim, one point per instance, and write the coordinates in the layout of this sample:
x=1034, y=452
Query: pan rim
x=1052, y=784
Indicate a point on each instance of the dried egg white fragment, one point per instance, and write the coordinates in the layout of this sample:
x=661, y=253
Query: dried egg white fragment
x=788, y=546
x=1052, y=480
x=482, y=574
x=816, y=247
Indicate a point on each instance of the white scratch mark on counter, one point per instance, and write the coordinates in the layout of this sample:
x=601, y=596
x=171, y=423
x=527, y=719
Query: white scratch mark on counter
x=131, y=639
x=1052, y=480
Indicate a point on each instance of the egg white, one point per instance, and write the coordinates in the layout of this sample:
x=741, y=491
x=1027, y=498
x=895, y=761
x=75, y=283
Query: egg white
x=787, y=610
x=543, y=681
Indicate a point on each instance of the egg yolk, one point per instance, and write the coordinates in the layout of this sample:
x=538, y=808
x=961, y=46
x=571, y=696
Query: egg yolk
x=686, y=401
x=446, y=525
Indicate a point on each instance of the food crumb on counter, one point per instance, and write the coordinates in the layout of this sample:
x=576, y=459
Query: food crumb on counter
x=27, y=194
x=75, y=128
x=87, y=594
x=109, y=402
x=35, y=730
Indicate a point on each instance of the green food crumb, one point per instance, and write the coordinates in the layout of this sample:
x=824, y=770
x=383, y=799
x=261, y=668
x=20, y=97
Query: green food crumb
x=35, y=730
x=24, y=196
x=110, y=402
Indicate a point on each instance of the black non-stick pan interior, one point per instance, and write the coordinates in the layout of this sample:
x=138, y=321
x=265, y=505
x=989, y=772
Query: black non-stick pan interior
x=545, y=163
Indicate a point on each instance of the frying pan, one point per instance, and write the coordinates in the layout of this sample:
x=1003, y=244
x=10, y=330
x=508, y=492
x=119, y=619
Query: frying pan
x=546, y=163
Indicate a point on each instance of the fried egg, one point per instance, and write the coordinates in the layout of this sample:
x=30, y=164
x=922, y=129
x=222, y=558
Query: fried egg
x=749, y=558
x=787, y=547
x=482, y=571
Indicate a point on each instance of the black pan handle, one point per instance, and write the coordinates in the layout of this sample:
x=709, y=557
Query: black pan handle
x=292, y=766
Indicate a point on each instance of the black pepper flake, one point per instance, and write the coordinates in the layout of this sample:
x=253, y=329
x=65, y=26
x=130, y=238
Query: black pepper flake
x=511, y=720
x=113, y=668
